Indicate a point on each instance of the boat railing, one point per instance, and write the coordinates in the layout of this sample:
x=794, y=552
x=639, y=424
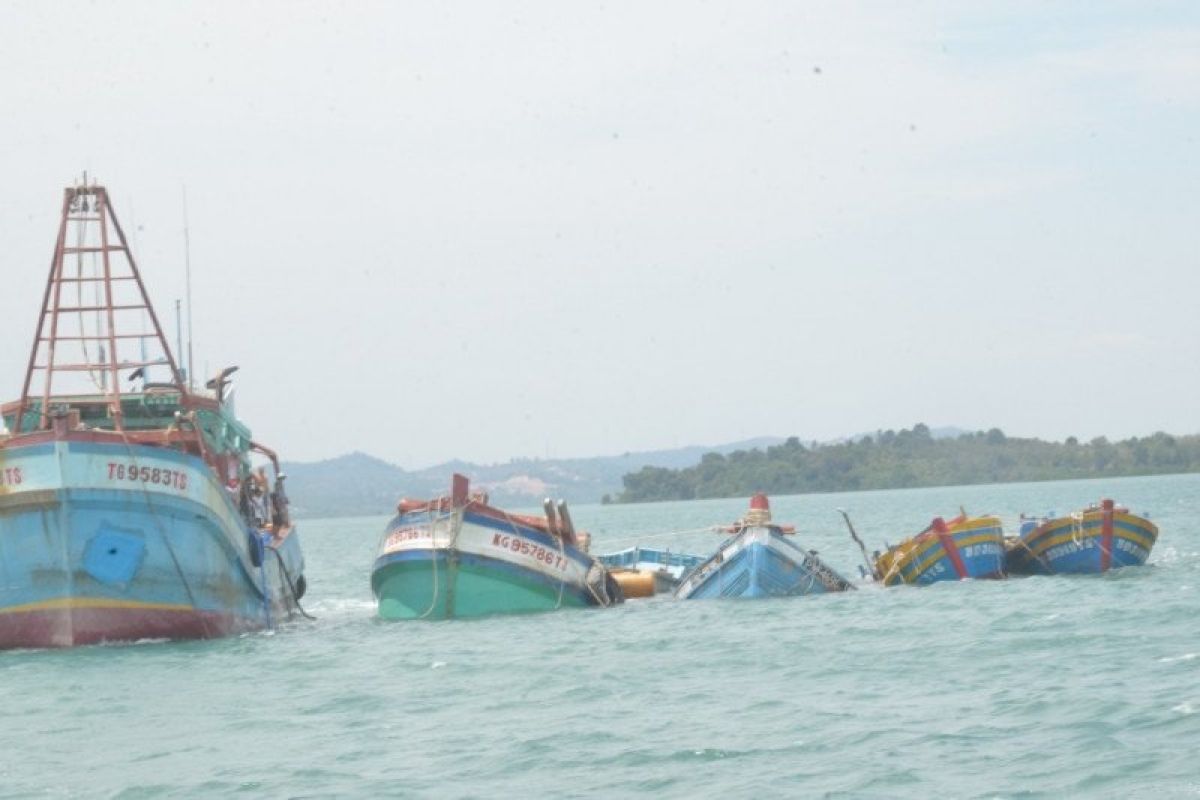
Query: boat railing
x=645, y=555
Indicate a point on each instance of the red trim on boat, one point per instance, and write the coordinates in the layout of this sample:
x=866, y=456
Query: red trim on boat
x=68, y=627
x=537, y=523
x=459, y=488
x=949, y=547
x=461, y=497
x=1106, y=535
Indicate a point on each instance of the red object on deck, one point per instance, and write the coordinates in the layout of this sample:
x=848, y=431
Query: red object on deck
x=951, y=549
x=758, y=502
x=1106, y=535
x=458, y=490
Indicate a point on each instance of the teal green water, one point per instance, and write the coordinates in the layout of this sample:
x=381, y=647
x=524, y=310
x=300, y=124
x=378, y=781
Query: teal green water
x=1038, y=687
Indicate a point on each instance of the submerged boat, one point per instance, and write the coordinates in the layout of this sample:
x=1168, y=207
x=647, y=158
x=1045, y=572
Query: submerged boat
x=1099, y=538
x=129, y=513
x=964, y=547
x=645, y=571
x=457, y=556
x=759, y=561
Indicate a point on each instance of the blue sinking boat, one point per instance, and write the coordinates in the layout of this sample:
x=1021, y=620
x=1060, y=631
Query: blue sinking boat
x=759, y=561
x=1099, y=538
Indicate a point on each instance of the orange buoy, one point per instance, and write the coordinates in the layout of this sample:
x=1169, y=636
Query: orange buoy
x=634, y=583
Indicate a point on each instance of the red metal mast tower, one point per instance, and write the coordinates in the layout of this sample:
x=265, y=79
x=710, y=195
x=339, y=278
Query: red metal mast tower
x=88, y=262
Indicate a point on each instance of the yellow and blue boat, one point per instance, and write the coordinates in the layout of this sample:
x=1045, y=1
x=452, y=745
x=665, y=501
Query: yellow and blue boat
x=1099, y=538
x=964, y=547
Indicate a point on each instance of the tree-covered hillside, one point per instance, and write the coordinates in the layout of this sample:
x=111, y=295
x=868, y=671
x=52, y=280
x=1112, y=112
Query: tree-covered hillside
x=908, y=458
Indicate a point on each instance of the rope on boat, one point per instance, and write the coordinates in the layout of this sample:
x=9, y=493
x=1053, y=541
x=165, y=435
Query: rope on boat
x=665, y=534
x=894, y=568
x=601, y=573
x=291, y=585
x=455, y=526
x=562, y=578
x=262, y=573
x=162, y=531
x=1078, y=534
x=1041, y=559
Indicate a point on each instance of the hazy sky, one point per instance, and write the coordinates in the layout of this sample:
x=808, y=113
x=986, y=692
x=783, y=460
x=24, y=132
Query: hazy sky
x=485, y=230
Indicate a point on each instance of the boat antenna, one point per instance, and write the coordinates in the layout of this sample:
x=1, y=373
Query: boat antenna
x=854, y=535
x=178, y=329
x=137, y=247
x=187, y=270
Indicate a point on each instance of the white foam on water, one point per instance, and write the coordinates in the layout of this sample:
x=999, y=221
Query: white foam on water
x=437, y=664
x=1184, y=657
x=1166, y=555
x=336, y=605
x=1185, y=708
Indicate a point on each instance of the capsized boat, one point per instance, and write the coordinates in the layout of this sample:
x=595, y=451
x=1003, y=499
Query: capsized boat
x=961, y=548
x=457, y=556
x=1101, y=537
x=646, y=571
x=759, y=561
x=129, y=513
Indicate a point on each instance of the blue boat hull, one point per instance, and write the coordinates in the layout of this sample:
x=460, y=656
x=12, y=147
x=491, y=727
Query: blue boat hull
x=760, y=562
x=1083, y=545
x=971, y=548
x=85, y=558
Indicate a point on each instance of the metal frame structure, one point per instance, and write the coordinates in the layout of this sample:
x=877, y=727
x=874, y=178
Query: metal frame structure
x=76, y=211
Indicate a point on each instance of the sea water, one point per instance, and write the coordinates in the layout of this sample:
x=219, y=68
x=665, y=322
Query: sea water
x=1032, y=687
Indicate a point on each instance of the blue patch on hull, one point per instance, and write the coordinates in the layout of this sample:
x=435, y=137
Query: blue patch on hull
x=113, y=555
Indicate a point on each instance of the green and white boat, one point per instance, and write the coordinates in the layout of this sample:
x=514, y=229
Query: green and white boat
x=457, y=556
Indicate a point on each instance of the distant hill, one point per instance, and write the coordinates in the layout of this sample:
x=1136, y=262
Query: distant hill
x=361, y=484
x=910, y=458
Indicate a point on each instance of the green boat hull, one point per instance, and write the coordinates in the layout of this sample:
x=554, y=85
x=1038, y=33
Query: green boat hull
x=448, y=588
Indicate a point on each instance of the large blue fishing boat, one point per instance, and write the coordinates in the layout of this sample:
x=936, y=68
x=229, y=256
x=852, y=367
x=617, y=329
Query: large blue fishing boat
x=129, y=513
x=1099, y=538
x=759, y=561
